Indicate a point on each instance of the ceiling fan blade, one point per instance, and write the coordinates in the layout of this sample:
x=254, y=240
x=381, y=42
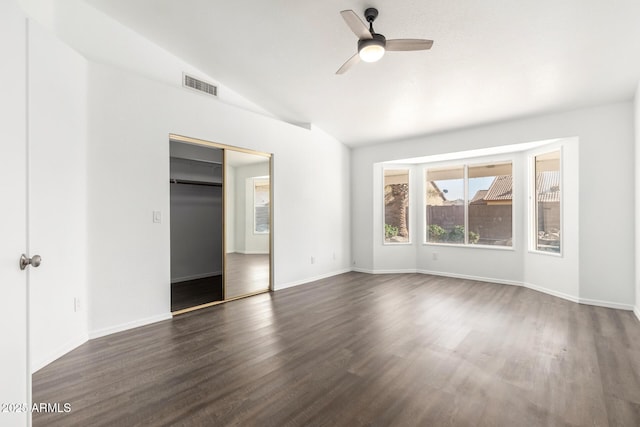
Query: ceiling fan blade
x=350, y=63
x=357, y=26
x=408, y=44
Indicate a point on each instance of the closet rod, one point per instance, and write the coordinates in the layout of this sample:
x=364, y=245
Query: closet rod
x=186, y=181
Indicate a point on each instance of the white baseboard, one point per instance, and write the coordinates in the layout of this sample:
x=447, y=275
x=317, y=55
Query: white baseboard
x=40, y=363
x=552, y=292
x=606, y=304
x=311, y=279
x=396, y=271
x=636, y=311
x=468, y=277
x=362, y=270
x=128, y=325
x=196, y=276
x=572, y=298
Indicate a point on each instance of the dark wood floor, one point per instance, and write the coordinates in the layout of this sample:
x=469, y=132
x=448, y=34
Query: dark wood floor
x=359, y=349
x=196, y=292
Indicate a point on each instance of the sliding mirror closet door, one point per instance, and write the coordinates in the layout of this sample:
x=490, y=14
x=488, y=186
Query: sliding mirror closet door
x=247, y=223
x=196, y=181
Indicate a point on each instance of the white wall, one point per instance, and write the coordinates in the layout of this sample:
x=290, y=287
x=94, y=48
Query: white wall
x=637, y=194
x=58, y=211
x=606, y=267
x=128, y=165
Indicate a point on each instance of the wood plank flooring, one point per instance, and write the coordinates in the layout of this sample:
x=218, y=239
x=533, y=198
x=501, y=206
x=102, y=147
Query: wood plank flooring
x=358, y=349
x=196, y=292
x=246, y=274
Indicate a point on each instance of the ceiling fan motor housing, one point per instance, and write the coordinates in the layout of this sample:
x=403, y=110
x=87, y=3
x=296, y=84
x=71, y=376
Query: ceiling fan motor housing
x=378, y=40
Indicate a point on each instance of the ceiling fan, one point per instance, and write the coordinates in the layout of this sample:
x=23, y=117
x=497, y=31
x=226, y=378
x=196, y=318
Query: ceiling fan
x=371, y=45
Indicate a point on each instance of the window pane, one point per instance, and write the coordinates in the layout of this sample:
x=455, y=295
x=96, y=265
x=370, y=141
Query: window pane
x=396, y=206
x=547, y=206
x=490, y=204
x=445, y=205
x=261, y=205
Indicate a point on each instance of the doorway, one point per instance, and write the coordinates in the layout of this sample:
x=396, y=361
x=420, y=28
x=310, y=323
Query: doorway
x=221, y=223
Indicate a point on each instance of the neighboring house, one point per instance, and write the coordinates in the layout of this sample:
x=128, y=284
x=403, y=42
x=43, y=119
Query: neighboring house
x=501, y=191
x=479, y=198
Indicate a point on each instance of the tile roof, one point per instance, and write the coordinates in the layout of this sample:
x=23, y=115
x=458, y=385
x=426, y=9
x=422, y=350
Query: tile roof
x=479, y=196
x=501, y=189
x=548, y=183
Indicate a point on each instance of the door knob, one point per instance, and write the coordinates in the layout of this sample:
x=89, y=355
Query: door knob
x=35, y=261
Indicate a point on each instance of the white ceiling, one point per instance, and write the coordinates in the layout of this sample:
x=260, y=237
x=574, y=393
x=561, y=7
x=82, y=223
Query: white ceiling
x=491, y=60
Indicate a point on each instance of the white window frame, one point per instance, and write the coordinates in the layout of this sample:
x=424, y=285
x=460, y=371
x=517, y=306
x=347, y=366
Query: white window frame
x=533, y=205
x=253, y=188
x=409, y=169
x=466, y=164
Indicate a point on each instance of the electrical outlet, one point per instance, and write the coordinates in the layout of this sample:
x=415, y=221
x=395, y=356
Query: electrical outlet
x=313, y=260
x=76, y=304
x=334, y=256
x=434, y=256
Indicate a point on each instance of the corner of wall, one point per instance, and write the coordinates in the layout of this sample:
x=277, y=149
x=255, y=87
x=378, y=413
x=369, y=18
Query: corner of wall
x=637, y=194
x=97, y=333
x=43, y=360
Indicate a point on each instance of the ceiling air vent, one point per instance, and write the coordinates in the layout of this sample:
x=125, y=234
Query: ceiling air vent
x=199, y=85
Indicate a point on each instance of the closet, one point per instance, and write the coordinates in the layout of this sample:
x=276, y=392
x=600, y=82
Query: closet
x=196, y=183
x=221, y=223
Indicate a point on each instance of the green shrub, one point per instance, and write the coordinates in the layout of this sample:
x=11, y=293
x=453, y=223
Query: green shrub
x=436, y=233
x=456, y=235
x=390, y=231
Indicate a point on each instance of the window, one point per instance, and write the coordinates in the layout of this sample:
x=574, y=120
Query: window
x=547, y=213
x=490, y=201
x=261, y=205
x=396, y=206
x=445, y=205
x=477, y=198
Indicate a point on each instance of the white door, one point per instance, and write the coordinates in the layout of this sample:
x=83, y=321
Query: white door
x=15, y=382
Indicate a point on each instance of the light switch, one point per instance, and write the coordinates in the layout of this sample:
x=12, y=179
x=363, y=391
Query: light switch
x=157, y=217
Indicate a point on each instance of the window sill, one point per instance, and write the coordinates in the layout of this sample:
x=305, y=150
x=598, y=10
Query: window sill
x=553, y=254
x=454, y=245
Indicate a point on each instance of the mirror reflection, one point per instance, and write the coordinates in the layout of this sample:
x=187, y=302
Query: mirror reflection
x=247, y=223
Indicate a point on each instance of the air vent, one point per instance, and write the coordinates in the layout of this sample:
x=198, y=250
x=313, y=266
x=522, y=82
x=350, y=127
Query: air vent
x=199, y=85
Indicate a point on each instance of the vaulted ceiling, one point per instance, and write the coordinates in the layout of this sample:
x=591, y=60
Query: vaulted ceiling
x=491, y=61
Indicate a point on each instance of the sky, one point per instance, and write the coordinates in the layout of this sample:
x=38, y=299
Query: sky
x=455, y=187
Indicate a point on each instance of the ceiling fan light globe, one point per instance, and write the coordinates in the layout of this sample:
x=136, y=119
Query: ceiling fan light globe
x=371, y=53
x=371, y=50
